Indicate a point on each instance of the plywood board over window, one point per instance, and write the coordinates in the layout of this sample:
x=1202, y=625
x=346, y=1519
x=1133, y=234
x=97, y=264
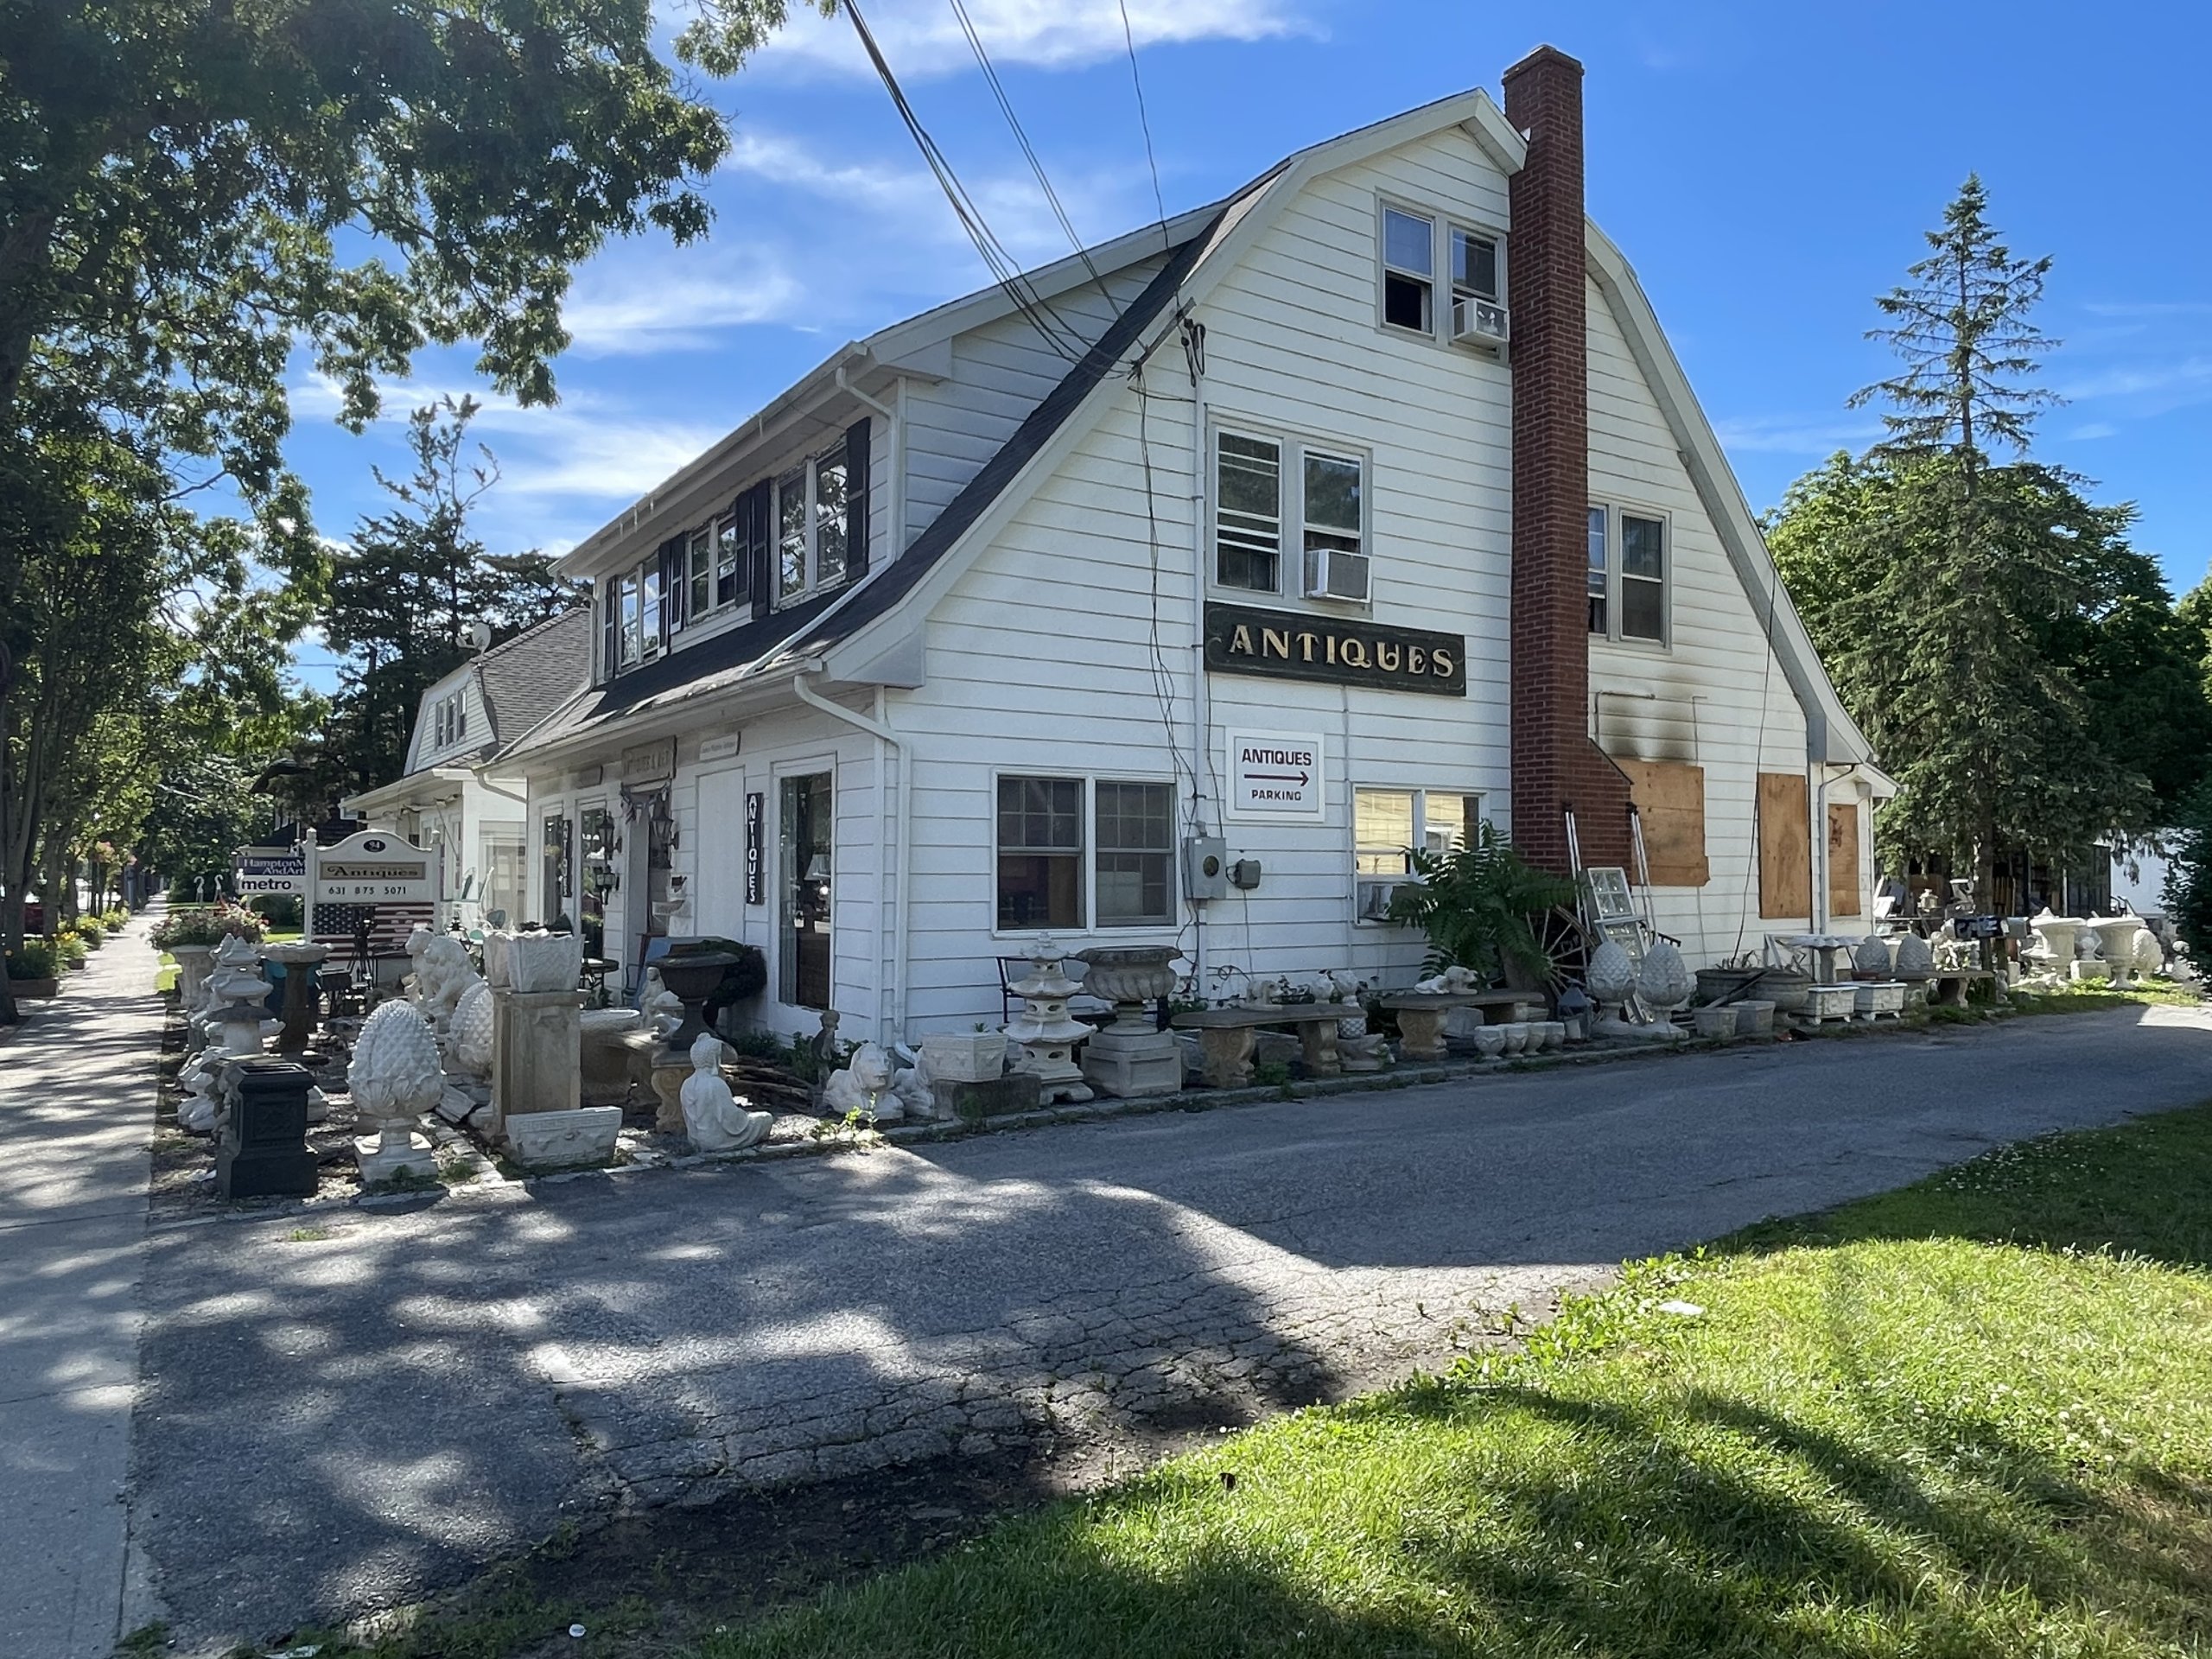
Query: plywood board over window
x=1843, y=858
x=1669, y=797
x=1785, y=845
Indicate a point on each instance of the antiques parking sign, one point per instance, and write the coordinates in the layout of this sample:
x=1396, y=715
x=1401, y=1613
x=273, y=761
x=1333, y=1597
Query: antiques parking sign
x=1274, y=775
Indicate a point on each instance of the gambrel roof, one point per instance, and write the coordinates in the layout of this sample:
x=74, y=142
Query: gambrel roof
x=867, y=634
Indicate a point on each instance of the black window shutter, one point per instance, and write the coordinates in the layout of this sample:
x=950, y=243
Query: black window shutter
x=857, y=500
x=753, y=542
x=675, y=586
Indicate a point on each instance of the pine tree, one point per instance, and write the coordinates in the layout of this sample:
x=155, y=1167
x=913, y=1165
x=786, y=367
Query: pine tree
x=416, y=576
x=1962, y=565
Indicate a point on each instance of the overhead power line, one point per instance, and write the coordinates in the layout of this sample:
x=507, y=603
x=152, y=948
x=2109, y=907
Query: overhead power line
x=1021, y=138
x=1051, y=327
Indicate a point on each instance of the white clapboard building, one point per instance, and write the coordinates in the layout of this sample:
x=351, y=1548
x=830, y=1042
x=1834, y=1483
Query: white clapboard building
x=1314, y=525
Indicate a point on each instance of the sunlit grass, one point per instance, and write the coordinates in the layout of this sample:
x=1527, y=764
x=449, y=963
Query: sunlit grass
x=1973, y=1417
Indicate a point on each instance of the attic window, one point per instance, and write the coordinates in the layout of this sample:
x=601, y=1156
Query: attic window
x=1408, y=270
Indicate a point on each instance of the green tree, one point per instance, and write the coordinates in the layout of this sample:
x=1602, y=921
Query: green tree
x=402, y=596
x=1976, y=615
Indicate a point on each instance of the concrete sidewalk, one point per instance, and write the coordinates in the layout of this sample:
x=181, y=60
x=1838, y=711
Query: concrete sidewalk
x=77, y=1091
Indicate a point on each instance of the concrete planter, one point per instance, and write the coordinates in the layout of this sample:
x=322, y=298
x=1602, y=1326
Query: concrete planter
x=34, y=990
x=1718, y=1023
x=566, y=1140
x=963, y=1056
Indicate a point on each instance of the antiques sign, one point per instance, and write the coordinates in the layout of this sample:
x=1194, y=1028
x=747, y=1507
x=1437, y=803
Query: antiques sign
x=374, y=868
x=269, y=870
x=1297, y=645
x=756, y=890
x=1274, y=775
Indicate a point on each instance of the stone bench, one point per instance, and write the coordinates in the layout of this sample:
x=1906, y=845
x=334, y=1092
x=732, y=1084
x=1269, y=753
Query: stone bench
x=1421, y=1015
x=1227, y=1037
x=1949, y=986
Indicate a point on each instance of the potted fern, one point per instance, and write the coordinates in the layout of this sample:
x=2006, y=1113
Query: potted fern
x=1479, y=904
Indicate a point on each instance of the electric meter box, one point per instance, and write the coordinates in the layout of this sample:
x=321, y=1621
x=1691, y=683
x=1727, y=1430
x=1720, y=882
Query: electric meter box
x=1206, y=867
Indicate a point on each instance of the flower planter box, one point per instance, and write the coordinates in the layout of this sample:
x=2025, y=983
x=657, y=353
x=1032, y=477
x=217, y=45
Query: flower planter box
x=1826, y=1002
x=34, y=990
x=964, y=1057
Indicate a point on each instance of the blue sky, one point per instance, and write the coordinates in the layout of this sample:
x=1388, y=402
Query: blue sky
x=1767, y=168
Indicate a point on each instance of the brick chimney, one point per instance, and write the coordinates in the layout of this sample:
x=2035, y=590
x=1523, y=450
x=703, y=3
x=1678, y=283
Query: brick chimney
x=1555, y=765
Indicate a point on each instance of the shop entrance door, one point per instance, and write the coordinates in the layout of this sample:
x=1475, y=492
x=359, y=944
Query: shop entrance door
x=804, y=854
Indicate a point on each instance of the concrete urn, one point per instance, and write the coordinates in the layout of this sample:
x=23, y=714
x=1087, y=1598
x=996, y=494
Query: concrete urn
x=530, y=962
x=714, y=1119
x=1663, y=982
x=1871, y=960
x=1611, y=977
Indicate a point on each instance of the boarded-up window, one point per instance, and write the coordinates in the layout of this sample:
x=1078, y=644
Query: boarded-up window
x=1785, y=845
x=1669, y=797
x=1843, y=859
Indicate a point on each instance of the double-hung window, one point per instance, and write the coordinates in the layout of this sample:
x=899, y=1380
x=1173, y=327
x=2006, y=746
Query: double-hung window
x=1627, y=574
x=699, y=569
x=811, y=553
x=1052, y=874
x=1388, y=824
x=1408, y=270
x=1270, y=492
x=733, y=581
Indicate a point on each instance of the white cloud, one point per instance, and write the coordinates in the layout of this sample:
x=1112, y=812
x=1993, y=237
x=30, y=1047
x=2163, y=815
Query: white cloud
x=2189, y=377
x=922, y=38
x=2149, y=308
x=1795, y=434
x=2094, y=429
x=674, y=299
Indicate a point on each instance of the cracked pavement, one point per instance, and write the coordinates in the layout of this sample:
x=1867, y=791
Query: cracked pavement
x=332, y=1424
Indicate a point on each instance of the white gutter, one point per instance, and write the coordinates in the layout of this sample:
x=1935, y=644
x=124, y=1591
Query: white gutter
x=891, y=1011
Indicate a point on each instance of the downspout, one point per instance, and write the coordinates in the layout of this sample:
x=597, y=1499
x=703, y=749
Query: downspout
x=1819, y=834
x=1201, y=693
x=891, y=1021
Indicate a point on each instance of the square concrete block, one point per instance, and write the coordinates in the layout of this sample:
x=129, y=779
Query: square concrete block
x=1017, y=1091
x=564, y=1139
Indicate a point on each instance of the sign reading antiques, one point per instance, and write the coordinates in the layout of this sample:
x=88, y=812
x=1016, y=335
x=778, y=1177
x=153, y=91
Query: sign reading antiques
x=268, y=870
x=1274, y=775
x=756, y=887
x=375, y=866
x=1296, y=645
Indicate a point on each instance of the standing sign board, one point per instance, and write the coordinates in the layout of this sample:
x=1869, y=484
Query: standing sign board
x=377, y=884
x=1275, y=775
x=259, y=871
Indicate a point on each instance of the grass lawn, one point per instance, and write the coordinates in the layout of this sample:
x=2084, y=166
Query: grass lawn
x=1971, y=1417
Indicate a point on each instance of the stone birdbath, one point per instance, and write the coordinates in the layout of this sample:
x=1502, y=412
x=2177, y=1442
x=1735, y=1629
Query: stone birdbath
x=302, y=963
x=2059, y=934
x=692, y=976
x=1132, y=1056
x=2116, y=935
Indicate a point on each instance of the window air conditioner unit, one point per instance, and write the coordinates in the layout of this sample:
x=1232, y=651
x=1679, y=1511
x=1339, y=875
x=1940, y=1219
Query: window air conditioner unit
x=1333, y=573
x=1481, y=321
x=1374, y=900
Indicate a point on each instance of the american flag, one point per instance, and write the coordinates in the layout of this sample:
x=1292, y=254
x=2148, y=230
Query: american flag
x=388, y=926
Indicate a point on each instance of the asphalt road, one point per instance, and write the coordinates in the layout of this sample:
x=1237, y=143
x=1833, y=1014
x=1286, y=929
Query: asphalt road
x=332, y=1424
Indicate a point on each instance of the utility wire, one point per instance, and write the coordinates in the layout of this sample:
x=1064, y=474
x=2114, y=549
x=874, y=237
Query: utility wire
x=1144, y=120
x=1057, y=333
x=1021, y=138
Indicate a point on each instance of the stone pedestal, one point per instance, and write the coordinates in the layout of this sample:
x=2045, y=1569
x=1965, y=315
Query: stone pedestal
x=1421, y=1033
x=1133, y=1056
x=669, y=1071
x=263, y=1152
x=536, y=1055
x=395, y=1152
x=302, y=963
x=969, y=1099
